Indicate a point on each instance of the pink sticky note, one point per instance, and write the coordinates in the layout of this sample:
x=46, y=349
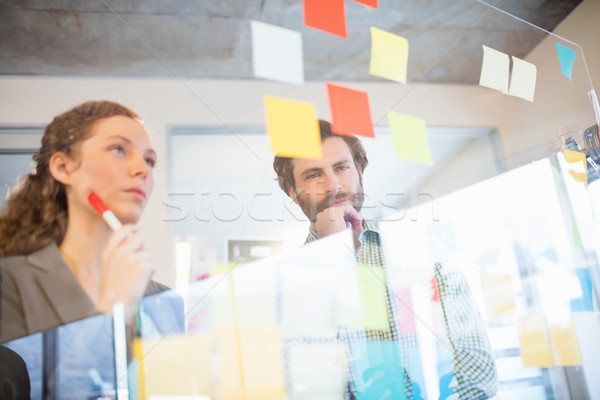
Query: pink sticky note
x=350, y=112
x=326, y=15
x=370, y=3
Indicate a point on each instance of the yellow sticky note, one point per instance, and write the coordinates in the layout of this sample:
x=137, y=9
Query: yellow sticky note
x=261, y=351
x=499, y=297
x=573, y=157
x=564, y=343
x=533, y=337
x=372, y=284
x=389, y=55
x=228, y=381
x=293, y=128
x=494, y=70
x=409, y=135
x=174, y=365
x=522, y=80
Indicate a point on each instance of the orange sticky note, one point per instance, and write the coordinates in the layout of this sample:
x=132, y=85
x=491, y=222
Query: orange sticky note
x=409, y=135
x=350, y=112
x=326, y=15
x=293, y=128
x=564, y=343
x=370, y=3
x=389, y=55
x=535, y=348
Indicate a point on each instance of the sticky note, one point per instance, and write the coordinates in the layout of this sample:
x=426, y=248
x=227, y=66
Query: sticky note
x=316, y=370
x=293, y=128
x=378, y=369
x=583, y=303
x=307, y=316
x=564, y=343
x=261, y=353
x=254, y=289
x=405, y=313
x=228, y=380
x=409, y=135
x=328, y=16
x=435, y=291
x=277, y=53
x=573, y=157
x=175, y=365
x=373, y=294
x=389, y=55
x=576, y=235
x=499, y=297
x=566, y=57
x=522, y=80
x=533, y=338
x=370, y=3
x=494, y=70
x=350, y=111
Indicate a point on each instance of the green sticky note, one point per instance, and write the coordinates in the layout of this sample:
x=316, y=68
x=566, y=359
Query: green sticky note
x=371, y=281
x=557, y=182
x=576, y=235
x=409, y=135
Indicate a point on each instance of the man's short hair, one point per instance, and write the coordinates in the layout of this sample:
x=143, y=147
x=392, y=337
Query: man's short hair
x=285, y=169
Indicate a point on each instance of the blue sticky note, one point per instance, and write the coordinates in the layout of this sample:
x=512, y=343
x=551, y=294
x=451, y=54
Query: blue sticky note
x=415, y=373
x=567, y=57
x=583, y=303
x=378, y=370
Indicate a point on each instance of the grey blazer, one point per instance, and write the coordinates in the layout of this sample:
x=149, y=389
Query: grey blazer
x=40, y=292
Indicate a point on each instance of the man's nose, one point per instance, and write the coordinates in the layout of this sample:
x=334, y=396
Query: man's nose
x=332, y=184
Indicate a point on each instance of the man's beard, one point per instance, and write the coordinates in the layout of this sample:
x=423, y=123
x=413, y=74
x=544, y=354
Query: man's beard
x=311, y=209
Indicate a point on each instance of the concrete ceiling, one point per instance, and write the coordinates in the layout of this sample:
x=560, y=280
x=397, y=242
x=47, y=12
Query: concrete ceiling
x=209, y=39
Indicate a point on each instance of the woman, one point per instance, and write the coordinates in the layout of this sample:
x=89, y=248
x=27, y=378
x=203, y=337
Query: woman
x=60, y=260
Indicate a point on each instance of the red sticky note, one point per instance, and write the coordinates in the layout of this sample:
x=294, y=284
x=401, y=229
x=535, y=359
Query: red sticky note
x=326, y=15
x=434, y=288
x=350, y=112
x=370, y=3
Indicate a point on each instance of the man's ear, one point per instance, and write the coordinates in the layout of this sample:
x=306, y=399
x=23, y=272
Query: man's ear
x=293, y=195
x=59, y=166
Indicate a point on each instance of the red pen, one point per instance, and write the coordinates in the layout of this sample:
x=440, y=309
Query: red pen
x=108, y=216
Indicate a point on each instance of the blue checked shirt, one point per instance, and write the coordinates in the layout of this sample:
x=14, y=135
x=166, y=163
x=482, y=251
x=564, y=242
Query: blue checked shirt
x=475, y=373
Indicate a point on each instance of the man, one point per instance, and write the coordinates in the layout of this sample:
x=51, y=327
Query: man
x=330, y=193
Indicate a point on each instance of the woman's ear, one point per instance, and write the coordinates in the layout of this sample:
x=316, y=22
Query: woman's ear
x=59, y=167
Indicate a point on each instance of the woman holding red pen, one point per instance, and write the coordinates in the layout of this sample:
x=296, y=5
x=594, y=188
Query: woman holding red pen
x=60, y=259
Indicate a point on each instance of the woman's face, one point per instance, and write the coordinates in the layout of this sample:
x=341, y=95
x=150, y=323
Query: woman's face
x=116, y=163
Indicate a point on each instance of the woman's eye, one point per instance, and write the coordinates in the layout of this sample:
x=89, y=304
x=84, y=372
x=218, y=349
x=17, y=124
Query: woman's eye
x=118, y=149
x=151, y=162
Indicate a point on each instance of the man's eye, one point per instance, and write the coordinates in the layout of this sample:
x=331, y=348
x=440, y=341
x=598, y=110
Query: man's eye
x=312, y=176
x=343, y=167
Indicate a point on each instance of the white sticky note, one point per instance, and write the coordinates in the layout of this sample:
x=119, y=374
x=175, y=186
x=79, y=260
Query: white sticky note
x=522, y=80
x=277, y=53
x=494, y=70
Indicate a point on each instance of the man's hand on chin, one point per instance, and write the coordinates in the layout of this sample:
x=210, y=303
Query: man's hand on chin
x=336, y=218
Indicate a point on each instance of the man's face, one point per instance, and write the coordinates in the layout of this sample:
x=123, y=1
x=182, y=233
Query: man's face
x=330, y=181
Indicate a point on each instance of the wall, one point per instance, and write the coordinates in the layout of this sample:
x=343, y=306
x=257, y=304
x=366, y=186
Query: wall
x=531, y=128
x=35, y=100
